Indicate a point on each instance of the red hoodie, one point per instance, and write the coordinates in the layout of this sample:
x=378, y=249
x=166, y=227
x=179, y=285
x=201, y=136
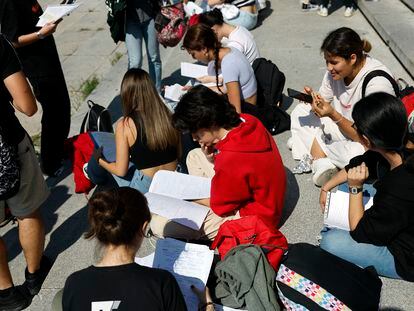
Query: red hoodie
x=249, y=173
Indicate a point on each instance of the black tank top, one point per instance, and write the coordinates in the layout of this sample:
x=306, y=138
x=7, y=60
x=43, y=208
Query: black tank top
x=143, y=157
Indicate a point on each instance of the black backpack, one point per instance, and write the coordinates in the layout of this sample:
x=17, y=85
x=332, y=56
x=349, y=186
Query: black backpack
x=270, y=83
x=317, y=280
x=9, y=169
x=97, y=118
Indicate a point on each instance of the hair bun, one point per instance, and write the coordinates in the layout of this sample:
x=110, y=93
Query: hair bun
x=366, y=46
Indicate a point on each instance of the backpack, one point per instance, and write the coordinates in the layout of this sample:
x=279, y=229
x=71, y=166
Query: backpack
x=170, y=24
x=97, y=118
x=402, y=89
x=270, y=84
x=310, y=278
x=251, y=230
x=116, y=19
x=9, y=168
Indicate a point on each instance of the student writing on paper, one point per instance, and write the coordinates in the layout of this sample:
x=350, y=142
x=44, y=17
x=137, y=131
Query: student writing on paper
x=37, y=52
x=118, y=220
x=238, y=77
x=249, y=176
x=382, y=236
x=144, y=136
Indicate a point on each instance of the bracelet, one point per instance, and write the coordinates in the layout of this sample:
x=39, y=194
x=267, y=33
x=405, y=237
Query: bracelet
x=204, y=306
x=324, y=190
x=340, y=119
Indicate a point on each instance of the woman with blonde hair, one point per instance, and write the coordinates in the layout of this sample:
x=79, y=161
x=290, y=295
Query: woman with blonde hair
x=144, y=136
x=322, y=134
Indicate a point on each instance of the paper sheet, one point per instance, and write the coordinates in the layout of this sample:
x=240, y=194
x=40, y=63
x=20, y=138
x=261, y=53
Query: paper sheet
x=55, y=12
x=193, y=70
x=180, y=186
x=223, y=308
x=189, y=263
x=337, y=209
x=174, y=92
x=185, y=213
x=191, y=8
x=147, y=261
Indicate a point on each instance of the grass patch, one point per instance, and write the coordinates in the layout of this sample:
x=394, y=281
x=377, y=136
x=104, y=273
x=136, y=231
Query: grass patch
x=88, y=86
x=116, y=58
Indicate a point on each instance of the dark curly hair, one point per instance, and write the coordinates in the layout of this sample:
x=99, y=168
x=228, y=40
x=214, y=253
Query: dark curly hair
x=202, y=108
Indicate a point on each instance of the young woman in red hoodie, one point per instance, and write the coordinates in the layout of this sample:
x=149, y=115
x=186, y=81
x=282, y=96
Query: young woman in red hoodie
x=249, y=176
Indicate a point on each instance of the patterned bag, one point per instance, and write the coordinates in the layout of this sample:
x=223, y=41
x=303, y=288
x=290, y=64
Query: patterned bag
x=170, y=24
x=9, y=169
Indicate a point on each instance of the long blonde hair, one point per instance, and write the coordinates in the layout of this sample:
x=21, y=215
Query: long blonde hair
x=141, y=102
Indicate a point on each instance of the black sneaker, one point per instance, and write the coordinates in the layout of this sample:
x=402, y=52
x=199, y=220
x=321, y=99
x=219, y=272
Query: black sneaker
x=15, y=301
x=35, y=280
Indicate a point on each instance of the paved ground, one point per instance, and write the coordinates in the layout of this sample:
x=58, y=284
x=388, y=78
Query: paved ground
x=287, y=36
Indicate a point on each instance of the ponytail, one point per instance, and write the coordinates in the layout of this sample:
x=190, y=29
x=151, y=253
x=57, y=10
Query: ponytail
x=366, y=46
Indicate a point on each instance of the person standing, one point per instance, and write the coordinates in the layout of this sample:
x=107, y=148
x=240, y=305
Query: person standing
x=32, y=191
x=40, y=60
x=140, y=20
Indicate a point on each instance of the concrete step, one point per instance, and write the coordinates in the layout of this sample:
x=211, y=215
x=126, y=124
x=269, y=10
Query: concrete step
x=409, y=3
x=394, y=22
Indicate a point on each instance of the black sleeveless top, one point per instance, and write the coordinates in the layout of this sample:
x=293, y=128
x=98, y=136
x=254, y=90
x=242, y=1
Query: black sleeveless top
x=143, y=157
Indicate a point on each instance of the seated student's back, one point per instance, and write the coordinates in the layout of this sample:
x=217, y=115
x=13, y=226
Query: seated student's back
x=118, y=219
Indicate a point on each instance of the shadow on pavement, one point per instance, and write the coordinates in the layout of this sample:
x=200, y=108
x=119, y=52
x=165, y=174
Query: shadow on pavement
x=291, y=198
x=59, y=195
x=263, y=14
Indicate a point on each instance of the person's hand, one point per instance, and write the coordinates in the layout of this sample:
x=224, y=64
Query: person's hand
x=322, y=199
x=208, y=152
x=357, y=175
x=48, y=29
x=320, y=106
x=97, y=154
x=206, y=302
x=186, y=87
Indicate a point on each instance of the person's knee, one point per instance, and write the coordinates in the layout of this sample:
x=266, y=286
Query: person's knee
x=334, y=241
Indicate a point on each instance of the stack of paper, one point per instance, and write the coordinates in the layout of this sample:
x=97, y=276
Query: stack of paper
x=174, y=92
x=168, y=192
x=55, y=12
x=189, y=263
x=337, y=208
x=193, y=70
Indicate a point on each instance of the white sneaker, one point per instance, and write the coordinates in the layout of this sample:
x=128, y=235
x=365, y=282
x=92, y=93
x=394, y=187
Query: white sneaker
x=323, y=170
x=349, y=11
x=323, y=11
x=289, y=143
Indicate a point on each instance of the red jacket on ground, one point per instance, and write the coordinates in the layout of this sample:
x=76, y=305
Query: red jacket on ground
x=249, y=173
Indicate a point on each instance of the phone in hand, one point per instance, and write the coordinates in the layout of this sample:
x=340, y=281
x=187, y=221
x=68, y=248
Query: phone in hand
x=300, y=96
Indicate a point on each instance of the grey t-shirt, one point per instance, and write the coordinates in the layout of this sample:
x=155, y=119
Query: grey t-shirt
x=236, y=67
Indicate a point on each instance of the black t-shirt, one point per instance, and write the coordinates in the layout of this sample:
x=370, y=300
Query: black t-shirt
x=19, y=17
x=390, y=221
x=9, y=64
x=128, y=287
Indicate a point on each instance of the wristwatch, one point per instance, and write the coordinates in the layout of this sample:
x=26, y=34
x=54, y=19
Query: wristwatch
x=354, y=190
x=39, y=35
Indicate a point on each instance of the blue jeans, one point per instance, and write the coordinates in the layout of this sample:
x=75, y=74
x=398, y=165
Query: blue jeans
x=340, y=243
x=246, y=19
x=135, y=32
x=134, y=178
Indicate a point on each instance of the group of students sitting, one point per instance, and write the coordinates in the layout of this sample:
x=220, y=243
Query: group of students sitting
x=369, y=138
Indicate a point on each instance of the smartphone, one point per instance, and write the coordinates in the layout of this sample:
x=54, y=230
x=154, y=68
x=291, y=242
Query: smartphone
x=299, y=95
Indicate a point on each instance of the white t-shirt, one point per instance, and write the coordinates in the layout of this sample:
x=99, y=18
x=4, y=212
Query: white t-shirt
x=242, y=39
x=344, y=97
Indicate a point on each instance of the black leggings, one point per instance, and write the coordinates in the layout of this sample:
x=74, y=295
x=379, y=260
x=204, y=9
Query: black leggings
x=347, y=3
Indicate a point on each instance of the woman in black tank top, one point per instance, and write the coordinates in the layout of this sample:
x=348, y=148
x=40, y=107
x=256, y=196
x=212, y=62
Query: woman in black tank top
x=145, y=138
